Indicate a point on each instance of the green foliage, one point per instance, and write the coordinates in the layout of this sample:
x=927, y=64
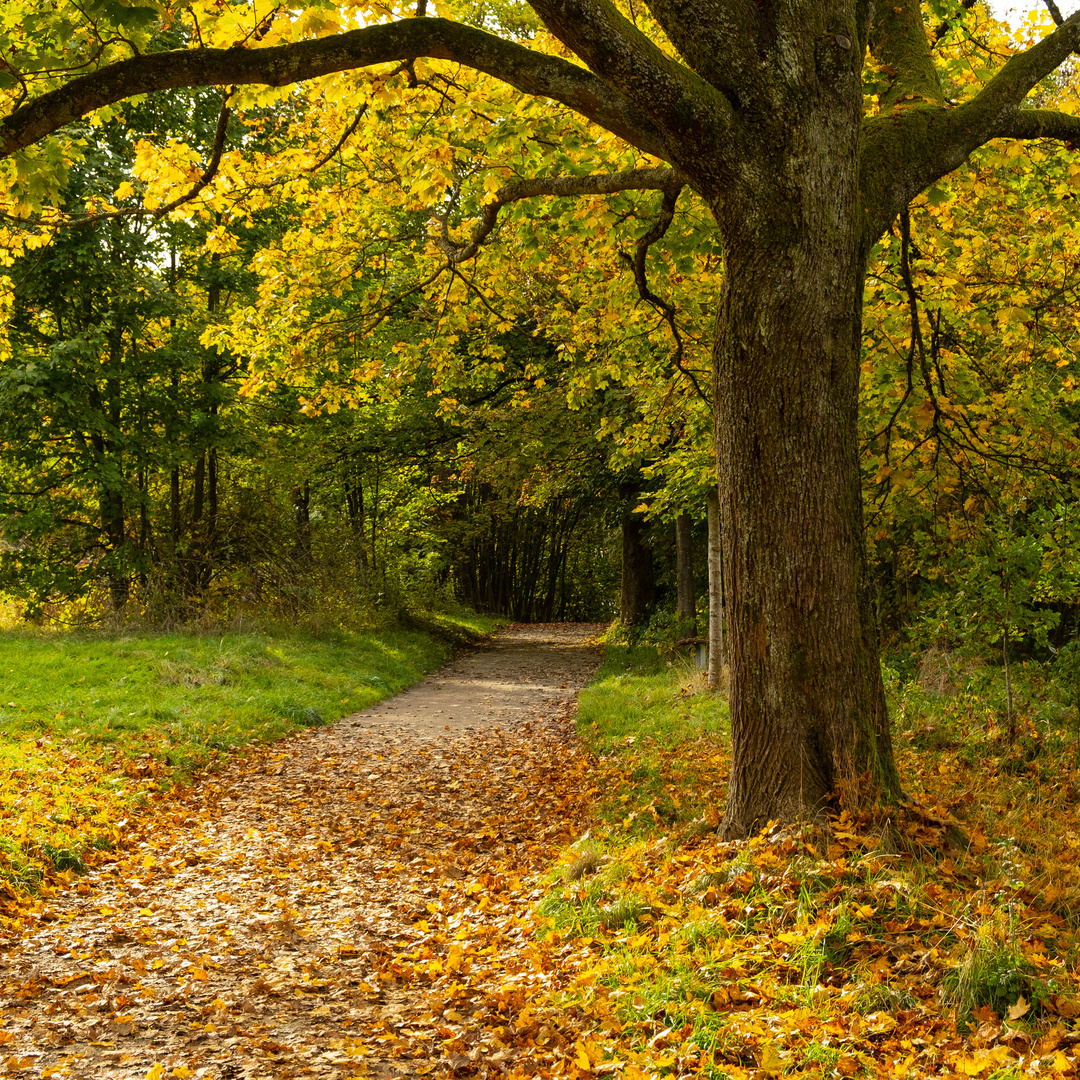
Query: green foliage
x=1002, y=583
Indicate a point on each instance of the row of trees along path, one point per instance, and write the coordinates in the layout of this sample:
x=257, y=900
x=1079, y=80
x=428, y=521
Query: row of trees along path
x=351, y=901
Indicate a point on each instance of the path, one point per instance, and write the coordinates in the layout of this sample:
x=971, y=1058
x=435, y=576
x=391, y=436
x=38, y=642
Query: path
x=313, y=909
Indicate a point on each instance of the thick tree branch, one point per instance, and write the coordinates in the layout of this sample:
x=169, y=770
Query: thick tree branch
x=695, y=116
x=1041, y=124
x=281, y=65
x=659, y=179
x=898, y=41
x=905, y=151
x=723, y=51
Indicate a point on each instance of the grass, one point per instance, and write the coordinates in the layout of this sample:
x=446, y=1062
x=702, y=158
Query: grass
x=833, y=952
x=91, y=724
x=642, y=711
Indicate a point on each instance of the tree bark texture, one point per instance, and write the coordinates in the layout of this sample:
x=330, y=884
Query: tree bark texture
x=808, y=715
x=638, y=589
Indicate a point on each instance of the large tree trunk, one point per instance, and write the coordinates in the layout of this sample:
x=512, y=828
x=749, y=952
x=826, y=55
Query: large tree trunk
x=808, y=716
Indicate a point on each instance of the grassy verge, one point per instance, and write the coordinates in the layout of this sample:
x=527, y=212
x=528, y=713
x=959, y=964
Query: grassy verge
x=661, y=736
x=90, y=724
x=878, y=947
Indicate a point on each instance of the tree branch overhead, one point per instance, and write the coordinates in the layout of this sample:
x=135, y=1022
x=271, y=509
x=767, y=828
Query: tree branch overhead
x=281, y=65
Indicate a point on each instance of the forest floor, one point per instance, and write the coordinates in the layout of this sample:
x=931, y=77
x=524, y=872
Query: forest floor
x=346, y=902
x=454, y=883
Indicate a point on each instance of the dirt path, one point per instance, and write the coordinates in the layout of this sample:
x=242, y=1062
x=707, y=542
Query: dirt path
x=345, y=903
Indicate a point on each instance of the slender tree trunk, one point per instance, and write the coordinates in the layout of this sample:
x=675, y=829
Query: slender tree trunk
x=174, y=506
x=808, y=715
x=204, y=508
x=716, y=594
x=354, y=504
x=211, y=499
x=113, y=525
x=172, y=436
x=301, y=500
x=210, y=553
x=110, y=455
x=144, y=523
x=638, y=585
x=1008, y=684
x=374, y=518
x=684, y=573
x=198, y=490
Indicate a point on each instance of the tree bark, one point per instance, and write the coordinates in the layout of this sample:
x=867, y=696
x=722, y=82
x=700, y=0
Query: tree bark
x=808, y=715
x=686, y=611
x=716, y=594
x=638, y=588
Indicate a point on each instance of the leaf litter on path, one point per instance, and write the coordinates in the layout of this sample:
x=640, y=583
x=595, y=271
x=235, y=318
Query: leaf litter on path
x=353, y=901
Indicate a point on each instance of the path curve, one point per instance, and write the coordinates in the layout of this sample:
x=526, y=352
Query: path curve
x=255, y=925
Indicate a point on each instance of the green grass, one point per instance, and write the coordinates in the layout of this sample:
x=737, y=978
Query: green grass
x=642, y=710
x=91, y=723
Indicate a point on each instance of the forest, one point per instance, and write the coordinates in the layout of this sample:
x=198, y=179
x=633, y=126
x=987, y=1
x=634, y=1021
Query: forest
x=269, y=341
x=754, y=323
x=268, y=348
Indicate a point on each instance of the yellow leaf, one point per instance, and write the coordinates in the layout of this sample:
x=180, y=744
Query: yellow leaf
x=182, y=1072
x=581, y=1057
x=157, y=1071
x=1019, y=1008
x=771, y=1061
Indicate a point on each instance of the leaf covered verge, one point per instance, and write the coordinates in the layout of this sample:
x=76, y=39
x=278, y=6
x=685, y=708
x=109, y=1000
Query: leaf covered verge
x=934, y=941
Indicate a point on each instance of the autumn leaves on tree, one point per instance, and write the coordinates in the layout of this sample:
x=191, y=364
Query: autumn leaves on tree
x=758, y=114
